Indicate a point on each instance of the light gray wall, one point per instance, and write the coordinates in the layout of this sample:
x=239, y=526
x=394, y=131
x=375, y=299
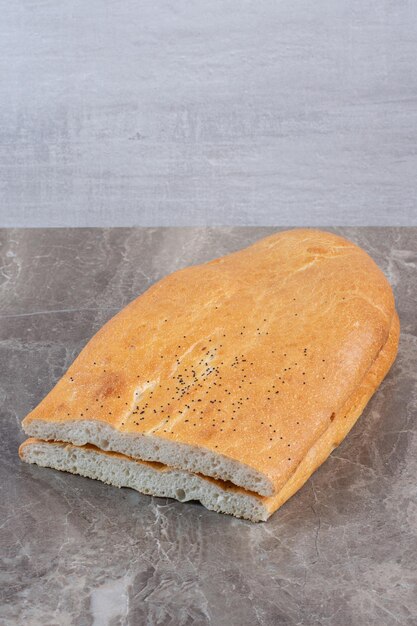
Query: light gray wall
x=226, y=112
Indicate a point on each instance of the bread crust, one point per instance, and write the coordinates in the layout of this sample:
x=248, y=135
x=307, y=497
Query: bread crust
x=247, y=357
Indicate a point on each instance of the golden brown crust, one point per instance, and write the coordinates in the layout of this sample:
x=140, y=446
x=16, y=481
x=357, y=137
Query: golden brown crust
x=342, y=423
x=248, y=355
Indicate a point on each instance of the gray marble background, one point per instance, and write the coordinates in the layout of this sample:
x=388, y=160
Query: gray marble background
x=75, y=552
x=275, y=112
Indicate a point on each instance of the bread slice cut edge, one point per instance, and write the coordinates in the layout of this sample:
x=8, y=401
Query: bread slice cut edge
x=152, y=448
x=122, y=471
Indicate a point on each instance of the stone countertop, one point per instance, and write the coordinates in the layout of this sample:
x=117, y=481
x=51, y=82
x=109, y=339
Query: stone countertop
x=342, y=551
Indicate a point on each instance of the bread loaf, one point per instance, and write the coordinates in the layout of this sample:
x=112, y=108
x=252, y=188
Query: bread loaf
x=234, y=369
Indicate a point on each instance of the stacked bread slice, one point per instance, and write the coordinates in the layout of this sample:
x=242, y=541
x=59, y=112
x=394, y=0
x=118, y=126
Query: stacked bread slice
x=228, y=382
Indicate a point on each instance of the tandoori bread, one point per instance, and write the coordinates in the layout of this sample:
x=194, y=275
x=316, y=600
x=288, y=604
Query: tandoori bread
x=234, y=369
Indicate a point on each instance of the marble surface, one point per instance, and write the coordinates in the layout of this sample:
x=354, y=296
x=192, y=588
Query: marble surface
x=178, y=113
x=342, y=551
